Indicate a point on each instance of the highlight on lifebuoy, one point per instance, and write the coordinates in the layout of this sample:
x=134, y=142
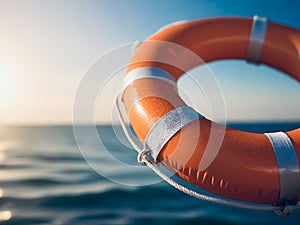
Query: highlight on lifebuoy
x=256, y=171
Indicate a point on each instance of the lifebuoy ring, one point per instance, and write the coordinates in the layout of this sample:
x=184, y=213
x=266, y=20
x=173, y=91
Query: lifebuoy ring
x=258, y=168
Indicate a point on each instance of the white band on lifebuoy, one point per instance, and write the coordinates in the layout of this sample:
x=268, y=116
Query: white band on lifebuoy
x=288, y=167
x=257, y=39
x=146, y=73
x=167, y=126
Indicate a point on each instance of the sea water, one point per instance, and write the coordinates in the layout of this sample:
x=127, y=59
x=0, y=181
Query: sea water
x=45, y=178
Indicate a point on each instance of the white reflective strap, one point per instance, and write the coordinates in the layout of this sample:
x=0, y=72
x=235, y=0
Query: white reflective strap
x=288, y=167
x=257, y=39
x=167, y=126
x=146, y=72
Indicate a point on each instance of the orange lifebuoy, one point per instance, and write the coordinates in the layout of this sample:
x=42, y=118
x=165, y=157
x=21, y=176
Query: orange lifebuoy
x=246, y=166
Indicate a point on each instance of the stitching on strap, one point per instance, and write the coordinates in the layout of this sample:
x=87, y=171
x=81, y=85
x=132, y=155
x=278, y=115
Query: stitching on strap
x=167, y=126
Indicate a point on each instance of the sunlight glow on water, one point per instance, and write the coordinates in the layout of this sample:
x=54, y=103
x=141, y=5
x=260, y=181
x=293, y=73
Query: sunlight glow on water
x=2, y=146
x=5, y=215
x=2, y=156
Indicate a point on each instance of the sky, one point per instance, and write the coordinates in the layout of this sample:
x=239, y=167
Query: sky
x=47, y=47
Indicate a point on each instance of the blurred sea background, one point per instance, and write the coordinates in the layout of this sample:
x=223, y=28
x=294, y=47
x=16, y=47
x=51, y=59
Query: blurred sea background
x=44, y=179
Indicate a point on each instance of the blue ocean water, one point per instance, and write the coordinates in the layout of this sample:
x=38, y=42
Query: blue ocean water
x=44, y=179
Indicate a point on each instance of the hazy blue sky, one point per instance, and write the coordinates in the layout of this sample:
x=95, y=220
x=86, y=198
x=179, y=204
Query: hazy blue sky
x=47, y=46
